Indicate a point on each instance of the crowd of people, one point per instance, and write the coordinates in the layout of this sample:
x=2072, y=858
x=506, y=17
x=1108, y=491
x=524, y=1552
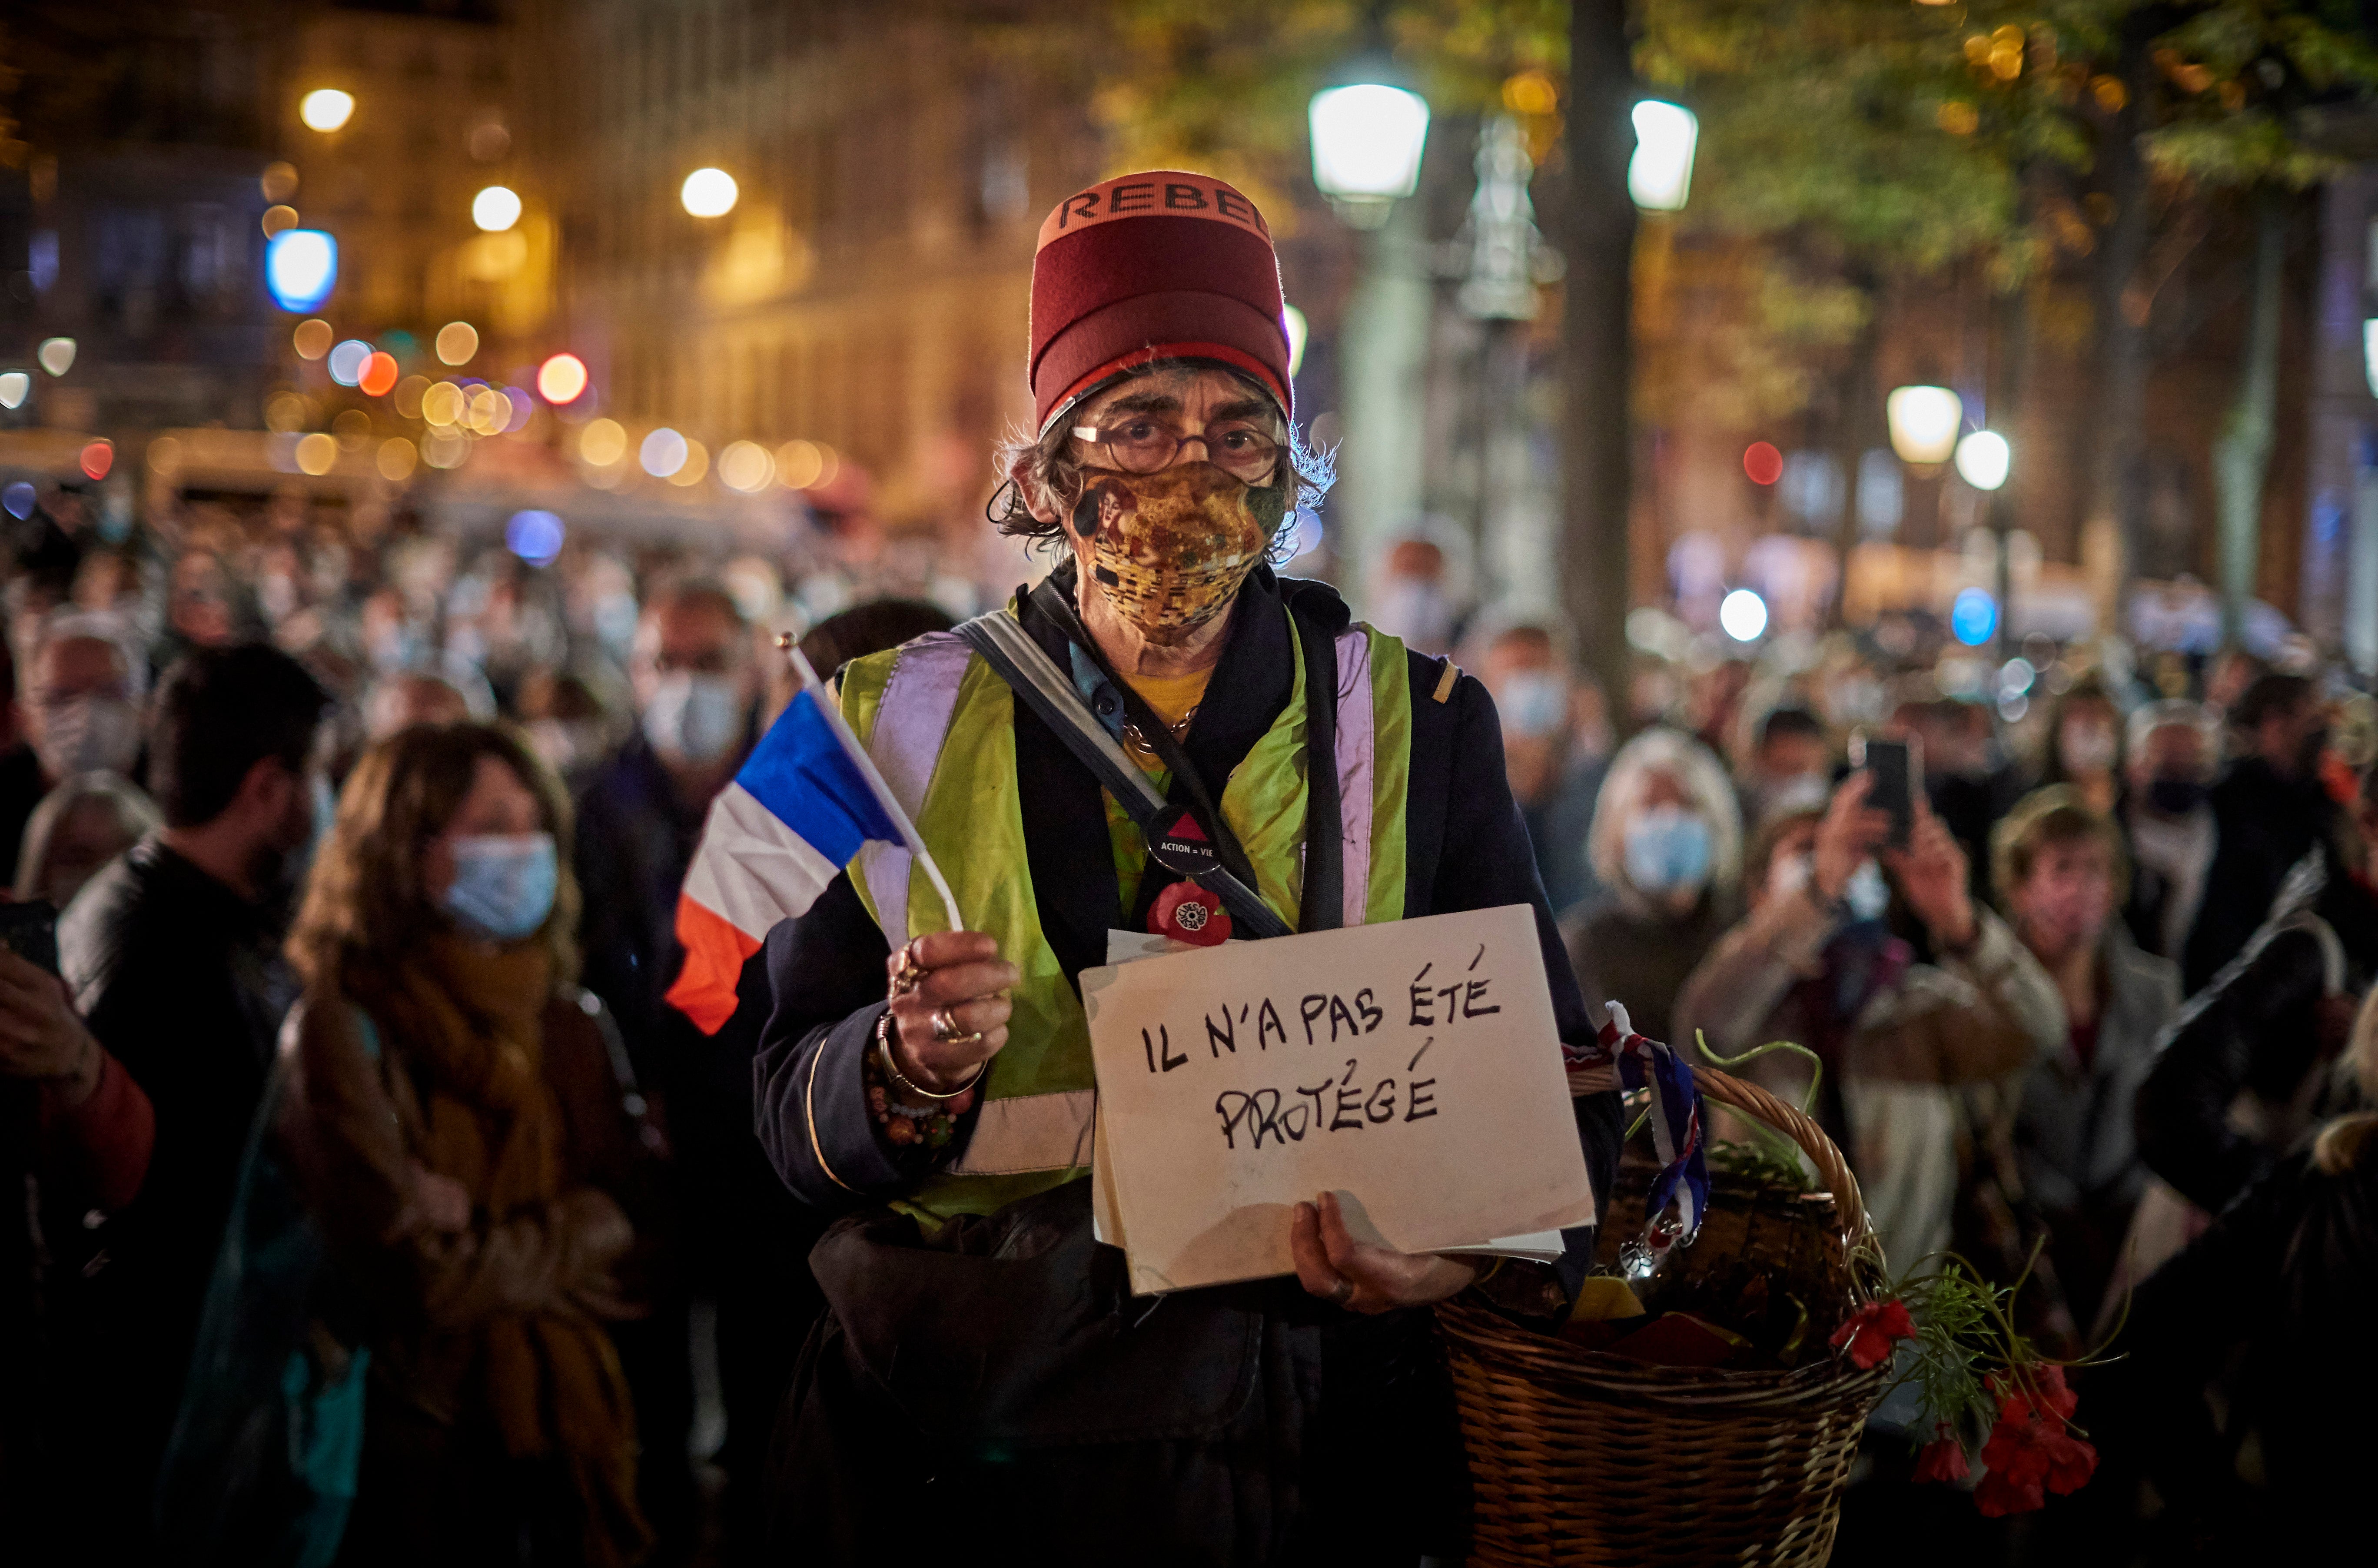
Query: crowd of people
x=2105, y=990
x=379, y=1208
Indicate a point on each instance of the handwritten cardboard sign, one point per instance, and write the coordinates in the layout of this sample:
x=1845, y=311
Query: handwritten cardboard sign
x=1413, y=1068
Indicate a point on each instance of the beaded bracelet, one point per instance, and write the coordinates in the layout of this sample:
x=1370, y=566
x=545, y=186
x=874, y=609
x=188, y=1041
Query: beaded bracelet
x=904, y=1125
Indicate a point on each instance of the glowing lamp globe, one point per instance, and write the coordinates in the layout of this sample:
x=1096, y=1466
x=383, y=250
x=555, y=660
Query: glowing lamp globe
x=708, y=193
x=1660, y=175
x=1984, y=459
x=1923, y=423
x=1367, y=141
x=326, y=108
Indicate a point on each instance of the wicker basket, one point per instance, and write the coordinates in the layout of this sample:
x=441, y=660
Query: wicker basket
x=1584, y=1457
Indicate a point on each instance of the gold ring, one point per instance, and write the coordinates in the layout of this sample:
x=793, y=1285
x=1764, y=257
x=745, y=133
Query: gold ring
x=1342, y=1292
x=909, y=974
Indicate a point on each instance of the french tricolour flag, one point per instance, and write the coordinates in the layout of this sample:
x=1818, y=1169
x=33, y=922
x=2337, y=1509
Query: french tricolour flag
x=799, y=812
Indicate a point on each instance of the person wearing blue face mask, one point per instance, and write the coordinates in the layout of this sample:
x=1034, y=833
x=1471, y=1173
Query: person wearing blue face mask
x=441, y=1033
x=1667, y=847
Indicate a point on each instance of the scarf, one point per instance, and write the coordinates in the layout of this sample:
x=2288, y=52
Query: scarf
x=470, y=1022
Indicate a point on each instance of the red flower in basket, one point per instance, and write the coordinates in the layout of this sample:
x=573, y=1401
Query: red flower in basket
x=1869, y=1332
x=1942, y=1459
x=2032, y=1450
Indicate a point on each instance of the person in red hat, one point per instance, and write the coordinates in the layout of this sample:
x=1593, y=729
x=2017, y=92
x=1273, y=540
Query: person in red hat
x=983, y=1380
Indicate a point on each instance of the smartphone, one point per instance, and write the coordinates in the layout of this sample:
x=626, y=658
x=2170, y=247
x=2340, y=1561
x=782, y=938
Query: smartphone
x=31, y=932
x=1897, y=769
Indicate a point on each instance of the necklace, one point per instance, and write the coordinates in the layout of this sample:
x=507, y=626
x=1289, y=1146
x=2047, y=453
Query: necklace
x=1136, y=740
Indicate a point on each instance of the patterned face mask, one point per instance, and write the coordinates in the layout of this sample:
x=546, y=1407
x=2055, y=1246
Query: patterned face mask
x=1170, y=549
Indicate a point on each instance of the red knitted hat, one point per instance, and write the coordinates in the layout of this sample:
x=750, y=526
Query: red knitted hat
x=1159, y=265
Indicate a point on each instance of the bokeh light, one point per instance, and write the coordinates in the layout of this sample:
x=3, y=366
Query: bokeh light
x=663, y=453
x=696, y=464
x=561, y=379
x=312, y=338
x=165, y=456
x=56, y=354
x=1742, y=614
x=603, y=442
x=1763, y=462
x=1974, y=616
x=522, y=407
x=496, y=209
x=442, y=404
x=708, y=193
x=457, y=341
x=96, y=458
x=279, y=182
x=397, y=457
x=746, y=466
x=287, y=413
x=377, y=377
x=347, y=360
x=445, y=449
x=316, y=453
x=1984, y=459
x=805, y=465
x=407, y=401
x=352, y=427
x=18, y=498
x=535, y=536
x=15, y=387
x=301, y=267
x=277, y=218
x=490, y=412
x=1292, y=322
x=326, y=108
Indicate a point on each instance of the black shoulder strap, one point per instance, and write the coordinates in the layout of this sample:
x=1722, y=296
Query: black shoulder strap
x=1012, y=654
x=1322, y=906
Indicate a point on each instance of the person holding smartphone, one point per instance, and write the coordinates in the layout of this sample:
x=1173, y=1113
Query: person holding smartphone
x=1924, y=1009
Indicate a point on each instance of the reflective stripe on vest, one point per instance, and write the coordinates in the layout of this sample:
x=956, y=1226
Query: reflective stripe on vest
x=934, y=699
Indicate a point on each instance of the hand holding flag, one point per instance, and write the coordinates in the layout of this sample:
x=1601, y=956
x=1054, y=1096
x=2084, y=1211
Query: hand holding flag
x=799, y=809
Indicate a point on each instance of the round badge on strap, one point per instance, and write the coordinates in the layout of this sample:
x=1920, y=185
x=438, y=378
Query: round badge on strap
x=1187, y=913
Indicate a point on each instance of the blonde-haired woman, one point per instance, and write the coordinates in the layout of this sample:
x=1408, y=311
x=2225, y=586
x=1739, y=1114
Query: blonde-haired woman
x=440, y=1033
x=2272, y=1305
x=1667, y=847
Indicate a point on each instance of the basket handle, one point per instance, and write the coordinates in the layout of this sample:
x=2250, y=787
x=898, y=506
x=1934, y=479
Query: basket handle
x=1833, y=1169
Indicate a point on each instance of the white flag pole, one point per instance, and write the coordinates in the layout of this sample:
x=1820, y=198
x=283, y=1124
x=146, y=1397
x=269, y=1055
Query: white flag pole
x=866, y=765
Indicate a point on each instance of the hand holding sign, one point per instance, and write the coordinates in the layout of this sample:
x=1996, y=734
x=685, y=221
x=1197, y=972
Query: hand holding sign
x=1362, y=1278
x=1411, y=1071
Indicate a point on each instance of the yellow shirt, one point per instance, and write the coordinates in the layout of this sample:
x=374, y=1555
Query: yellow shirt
x=1175, y=698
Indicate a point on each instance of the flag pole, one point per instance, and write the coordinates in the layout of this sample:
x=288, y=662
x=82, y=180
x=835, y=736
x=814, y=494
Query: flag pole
x=883, y=797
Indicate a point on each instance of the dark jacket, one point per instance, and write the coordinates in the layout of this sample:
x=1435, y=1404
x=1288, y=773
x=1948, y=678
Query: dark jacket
x=2261, y=1031
x=2262, y=824
x=1625, y=952
x=2285, y=1276
x=1359, y=1405
x=182, y=980
x=743, y=1238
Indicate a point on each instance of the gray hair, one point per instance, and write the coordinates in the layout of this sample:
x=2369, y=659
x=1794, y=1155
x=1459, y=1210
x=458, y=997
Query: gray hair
x=134, y=815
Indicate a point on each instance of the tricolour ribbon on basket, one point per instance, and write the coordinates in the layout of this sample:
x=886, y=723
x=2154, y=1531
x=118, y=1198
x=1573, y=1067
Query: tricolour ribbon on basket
x=1677, y=1133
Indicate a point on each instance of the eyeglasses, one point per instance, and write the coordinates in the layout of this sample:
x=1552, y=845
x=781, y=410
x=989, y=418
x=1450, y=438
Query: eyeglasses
x=1143, y=446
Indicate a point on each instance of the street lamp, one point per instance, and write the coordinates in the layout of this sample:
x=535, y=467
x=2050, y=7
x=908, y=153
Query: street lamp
x=1660, y=175
x=708, y=193
x=1924, y=422
x=326, y=108
x=1368, y=136
x=1367, y=140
